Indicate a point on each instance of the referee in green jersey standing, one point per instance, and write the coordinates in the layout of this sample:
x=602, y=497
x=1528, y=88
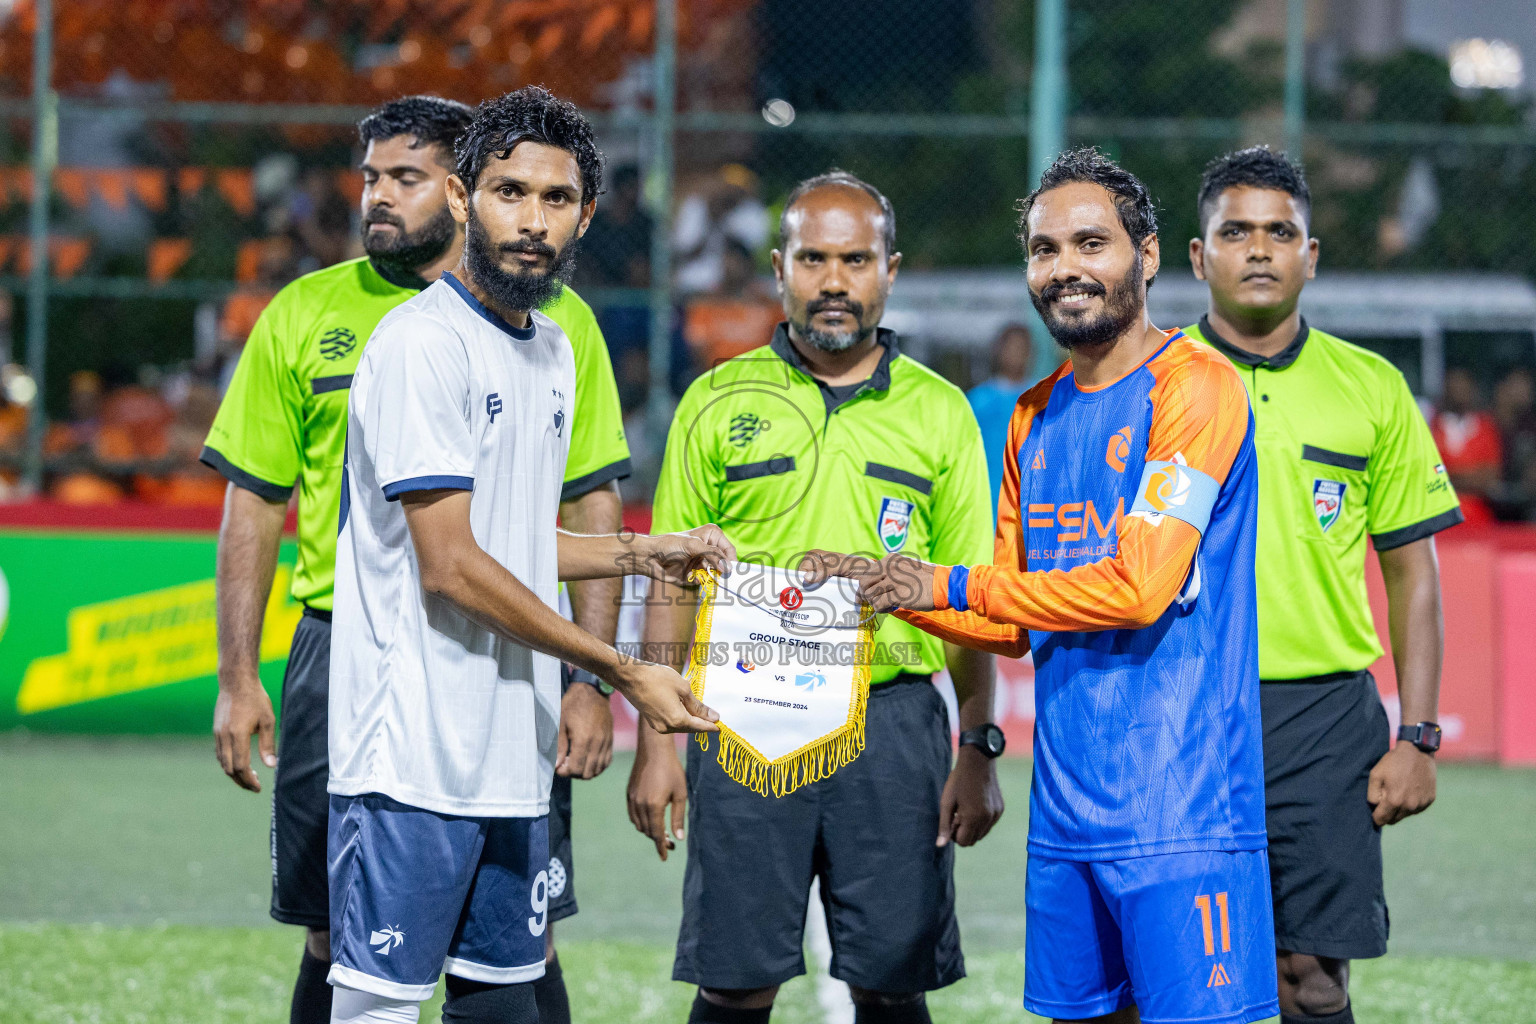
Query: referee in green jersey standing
x=1344, y=454
x=829, y=437
x=283, y=422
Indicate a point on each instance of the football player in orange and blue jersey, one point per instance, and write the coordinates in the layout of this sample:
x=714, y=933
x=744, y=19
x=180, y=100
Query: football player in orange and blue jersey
x=1124, y=559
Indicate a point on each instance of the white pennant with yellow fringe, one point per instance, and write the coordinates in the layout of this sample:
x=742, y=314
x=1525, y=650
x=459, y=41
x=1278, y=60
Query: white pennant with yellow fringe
x=788, y=671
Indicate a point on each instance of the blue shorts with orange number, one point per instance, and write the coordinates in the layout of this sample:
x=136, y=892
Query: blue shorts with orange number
x=1185, y=936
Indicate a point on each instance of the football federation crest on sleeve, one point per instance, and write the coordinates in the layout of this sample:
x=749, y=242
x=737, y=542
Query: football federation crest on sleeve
x=1327, y=501
x=895, y=518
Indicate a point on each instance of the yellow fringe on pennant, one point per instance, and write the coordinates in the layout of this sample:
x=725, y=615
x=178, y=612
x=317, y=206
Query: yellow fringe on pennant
x=811, y=763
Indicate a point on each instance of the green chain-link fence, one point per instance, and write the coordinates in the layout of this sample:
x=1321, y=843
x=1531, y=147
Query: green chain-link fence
x=205, y=152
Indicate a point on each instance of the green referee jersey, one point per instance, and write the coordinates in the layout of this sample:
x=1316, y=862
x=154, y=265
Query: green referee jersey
x=1344, y=453
x=284, y=419
x=785, y=463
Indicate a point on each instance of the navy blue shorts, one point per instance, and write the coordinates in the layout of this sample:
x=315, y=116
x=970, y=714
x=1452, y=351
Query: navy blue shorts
x=301, y=806
x=1185, y=936
x=415, y=894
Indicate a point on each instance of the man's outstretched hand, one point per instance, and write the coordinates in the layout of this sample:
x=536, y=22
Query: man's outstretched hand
x=672, y=557
x=663, y=698
x=895, y=581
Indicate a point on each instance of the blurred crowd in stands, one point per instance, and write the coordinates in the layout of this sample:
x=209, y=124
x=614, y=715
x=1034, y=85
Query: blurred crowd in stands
x=135, y=433
x=1487, y=441
x=126, y=436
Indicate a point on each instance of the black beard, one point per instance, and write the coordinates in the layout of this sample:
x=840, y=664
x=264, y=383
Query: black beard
x=833, y=341
x=1122, y=305
x=516, y=291
x=408, y=252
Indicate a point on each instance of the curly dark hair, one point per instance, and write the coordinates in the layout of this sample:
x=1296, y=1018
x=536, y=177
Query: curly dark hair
x=1258, y=167
x=1138, y=213
x=531, y=114
x=433, y=121
x=846, y=180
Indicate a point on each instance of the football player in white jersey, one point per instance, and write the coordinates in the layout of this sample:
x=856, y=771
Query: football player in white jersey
x=445, y=692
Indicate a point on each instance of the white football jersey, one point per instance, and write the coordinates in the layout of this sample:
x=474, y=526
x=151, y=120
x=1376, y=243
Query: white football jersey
x=426, y=706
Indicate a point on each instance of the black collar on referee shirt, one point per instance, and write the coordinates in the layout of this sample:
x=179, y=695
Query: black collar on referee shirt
x=880, y=380
x=399, y=280
x=1279, y=361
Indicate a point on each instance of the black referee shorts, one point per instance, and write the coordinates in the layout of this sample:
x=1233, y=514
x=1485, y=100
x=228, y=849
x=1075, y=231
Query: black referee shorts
x=867, y=833
x=301, y=806
x=1322, y=737
x=562, y=869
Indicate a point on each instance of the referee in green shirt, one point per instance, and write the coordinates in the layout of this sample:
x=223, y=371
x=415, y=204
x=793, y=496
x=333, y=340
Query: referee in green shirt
x=1344, y=454
x=829, y=437
x=283, y=422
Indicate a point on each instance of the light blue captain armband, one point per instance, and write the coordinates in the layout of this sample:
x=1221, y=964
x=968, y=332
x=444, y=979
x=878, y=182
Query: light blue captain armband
x=1179, y=492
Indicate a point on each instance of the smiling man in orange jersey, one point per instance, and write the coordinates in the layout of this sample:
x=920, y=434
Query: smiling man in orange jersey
x=1148, y=889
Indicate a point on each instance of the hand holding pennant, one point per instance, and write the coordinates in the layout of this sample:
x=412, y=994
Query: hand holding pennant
x=787, y=669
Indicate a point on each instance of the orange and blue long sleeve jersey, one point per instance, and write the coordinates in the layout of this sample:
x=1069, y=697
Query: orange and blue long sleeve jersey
x=1124, y=559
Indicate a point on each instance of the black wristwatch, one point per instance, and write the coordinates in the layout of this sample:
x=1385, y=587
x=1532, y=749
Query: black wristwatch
x=581, y=675
x=988, y=739
x=1425, y=736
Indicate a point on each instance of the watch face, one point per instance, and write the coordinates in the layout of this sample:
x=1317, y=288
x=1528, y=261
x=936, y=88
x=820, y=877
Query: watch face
x=995, y=740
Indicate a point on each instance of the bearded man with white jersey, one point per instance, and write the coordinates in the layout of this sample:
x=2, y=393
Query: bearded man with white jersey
x=445, y=690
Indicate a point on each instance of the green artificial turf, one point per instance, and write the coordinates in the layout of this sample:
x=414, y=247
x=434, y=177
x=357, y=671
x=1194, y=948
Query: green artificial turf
x=134, y=884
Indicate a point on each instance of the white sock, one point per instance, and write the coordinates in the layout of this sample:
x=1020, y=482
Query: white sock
x=353, y=1006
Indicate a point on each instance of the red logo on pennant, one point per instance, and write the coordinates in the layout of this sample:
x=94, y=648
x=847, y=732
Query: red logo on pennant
x=790, y=597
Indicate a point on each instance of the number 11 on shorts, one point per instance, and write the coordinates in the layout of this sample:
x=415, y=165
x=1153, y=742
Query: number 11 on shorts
x=1204, y=903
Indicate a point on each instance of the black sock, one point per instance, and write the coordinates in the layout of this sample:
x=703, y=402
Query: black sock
x=478, y=1002
x=1344, y=1016
x=706, y=1012
x=912, y=1011
x=311, y=992
x=549, y=992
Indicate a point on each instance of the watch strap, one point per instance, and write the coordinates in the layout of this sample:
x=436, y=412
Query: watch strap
x=581, y=675
x=1424, y=735
x=977, y=738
